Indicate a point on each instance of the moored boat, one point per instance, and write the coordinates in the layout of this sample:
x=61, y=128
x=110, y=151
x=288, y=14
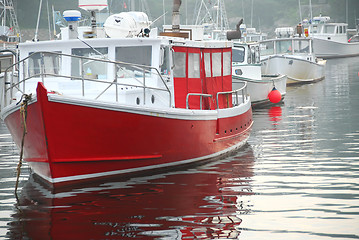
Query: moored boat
x=96, y=107
x=246, y=68
x=293, y=57
x=330, y=40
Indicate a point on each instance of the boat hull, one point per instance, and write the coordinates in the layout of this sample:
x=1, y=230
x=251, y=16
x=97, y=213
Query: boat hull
x=330, y=49
x=258, y=90
x=298, y=71
x=71, y=139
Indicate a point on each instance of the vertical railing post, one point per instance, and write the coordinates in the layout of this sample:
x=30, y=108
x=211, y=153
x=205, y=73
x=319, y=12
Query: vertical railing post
x=23, y=75
x=42, y=70
x=144, y=87
x=82, y=77
x=115, y=73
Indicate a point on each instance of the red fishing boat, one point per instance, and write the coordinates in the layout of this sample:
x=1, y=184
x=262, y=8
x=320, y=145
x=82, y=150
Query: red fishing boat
x=90, y=106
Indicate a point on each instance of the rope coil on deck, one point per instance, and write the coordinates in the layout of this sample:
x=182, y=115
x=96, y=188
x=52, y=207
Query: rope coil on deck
x=25, y=99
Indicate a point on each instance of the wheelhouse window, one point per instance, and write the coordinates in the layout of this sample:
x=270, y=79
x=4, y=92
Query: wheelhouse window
x=301, y=46
x=90, y=68
x=49, y=62
x=207, y=64
x=193, y=65
x=217, y=64
x=284, y=46
x=238, y=54
x=227, y=66
x=165, y=61
x=329, y=29
x=180, y=64
x=267, y=48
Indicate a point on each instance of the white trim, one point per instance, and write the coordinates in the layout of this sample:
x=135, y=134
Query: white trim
x=132, y=170
x=174, y=113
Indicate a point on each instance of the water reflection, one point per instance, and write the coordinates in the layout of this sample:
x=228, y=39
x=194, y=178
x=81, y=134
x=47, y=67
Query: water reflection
x=204, y=202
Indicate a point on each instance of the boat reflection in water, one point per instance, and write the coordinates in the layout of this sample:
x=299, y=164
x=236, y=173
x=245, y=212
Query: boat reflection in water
x=206, y=202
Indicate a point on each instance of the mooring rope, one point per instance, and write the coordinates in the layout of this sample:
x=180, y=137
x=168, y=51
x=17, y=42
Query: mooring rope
x=23, y=115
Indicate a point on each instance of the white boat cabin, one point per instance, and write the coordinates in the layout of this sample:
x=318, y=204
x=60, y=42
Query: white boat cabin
x=297, y=47
x=141, y=71
x=320, y=27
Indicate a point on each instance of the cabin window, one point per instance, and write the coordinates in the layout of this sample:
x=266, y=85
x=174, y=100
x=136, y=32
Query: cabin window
x=344, y=29
x=301, y=46
x=165, y=61
x=141, y=55
x=5, y=62
x=267, y=48
x=180, y=64
x=340, y=29
x=284, y=47
x=91, y=68
x=329, y=29
x=238, y=54
x=227, y=67
x=207, y=64
x=217, y=64
x=193, y=65
x=51, y=63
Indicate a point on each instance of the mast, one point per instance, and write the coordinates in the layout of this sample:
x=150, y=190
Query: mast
x=10, y=19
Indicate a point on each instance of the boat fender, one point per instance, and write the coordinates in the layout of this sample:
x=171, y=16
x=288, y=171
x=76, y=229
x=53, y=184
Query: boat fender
x=274, y=96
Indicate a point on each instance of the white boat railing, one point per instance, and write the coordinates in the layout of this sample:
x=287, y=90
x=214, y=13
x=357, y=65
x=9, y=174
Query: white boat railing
x=237, y=98
x=48, y=72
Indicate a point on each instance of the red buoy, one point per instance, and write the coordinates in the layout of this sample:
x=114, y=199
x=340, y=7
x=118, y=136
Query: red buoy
x=274, y=96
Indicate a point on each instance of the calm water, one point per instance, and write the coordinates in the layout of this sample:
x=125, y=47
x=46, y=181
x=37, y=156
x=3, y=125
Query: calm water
x=298, y=178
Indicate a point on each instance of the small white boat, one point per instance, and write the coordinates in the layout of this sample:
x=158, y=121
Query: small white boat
x=293, y=57
x=246, y=67
x=330, y=40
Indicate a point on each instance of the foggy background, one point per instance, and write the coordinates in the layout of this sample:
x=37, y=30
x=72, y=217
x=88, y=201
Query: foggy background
x=267, y=14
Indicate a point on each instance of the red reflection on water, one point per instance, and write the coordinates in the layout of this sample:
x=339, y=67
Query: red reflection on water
x=204, y=203
x=275, y=114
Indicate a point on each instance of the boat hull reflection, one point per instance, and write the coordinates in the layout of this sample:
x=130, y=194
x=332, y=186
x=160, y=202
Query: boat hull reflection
x=204, y=202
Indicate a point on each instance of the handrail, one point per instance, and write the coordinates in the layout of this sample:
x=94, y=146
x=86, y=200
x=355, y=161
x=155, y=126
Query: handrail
x=197, y=94
x=242, y=89
x=117, y=64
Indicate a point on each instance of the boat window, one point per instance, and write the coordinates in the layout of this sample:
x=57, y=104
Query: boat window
x=238, y=54
x=51, y=63
x=193, y=65
x=180, y=64
x=267, y=48
x=140, y=55
x=284, y=47
x=207, y=64
x=227, y=65
x=329, y=29
x=92, y=68
x=301, y=46
x=344, y=29
x=5, y=62
x=165, y=61
x=217, y=64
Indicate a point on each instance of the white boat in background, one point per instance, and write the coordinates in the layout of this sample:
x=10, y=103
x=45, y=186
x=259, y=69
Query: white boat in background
x=330, y=40
x=252, y=35
x=246, y=68
x=293, y=57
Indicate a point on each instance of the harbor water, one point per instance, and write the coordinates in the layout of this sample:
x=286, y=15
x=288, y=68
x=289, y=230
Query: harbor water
x=297, y=178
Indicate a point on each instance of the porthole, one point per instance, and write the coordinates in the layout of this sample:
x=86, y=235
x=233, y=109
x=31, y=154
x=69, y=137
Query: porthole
x=153, y=99
x=138, y=101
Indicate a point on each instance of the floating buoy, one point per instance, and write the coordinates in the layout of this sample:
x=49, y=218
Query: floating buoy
x=274, y=96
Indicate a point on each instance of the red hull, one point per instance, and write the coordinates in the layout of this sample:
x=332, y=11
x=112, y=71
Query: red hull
x=68, y=142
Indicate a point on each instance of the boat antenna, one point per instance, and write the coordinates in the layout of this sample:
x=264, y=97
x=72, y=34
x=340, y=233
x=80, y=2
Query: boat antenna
x=300, y=12
x=38, y=21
